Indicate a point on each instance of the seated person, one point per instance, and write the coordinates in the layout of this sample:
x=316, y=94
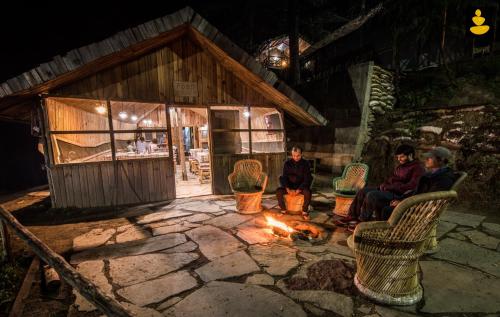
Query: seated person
x=437, y=178
x=404, y=179
x=296, y=179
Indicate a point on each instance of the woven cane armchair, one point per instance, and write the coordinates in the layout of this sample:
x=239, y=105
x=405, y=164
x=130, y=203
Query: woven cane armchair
x=432, y=245
x=248, y=183
x=387, y=252
x=345, y=187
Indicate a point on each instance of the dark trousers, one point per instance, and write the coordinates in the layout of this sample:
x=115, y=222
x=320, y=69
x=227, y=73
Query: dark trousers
x=369, y=201
x=281, y=192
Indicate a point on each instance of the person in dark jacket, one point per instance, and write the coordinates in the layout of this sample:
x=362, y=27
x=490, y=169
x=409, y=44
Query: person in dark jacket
x=296, y=179
x=404, y=179
x=439, y=176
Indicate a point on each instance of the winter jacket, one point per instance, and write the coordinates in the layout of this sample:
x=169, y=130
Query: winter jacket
x=296, y=175
x=404, y=179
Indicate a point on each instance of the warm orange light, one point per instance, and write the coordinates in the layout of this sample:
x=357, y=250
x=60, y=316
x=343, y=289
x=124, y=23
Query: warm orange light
x=272, y=222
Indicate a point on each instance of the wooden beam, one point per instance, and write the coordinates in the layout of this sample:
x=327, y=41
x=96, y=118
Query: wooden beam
x=22, y=295
x=105, y=303
x=344, y=30
x=105, y=62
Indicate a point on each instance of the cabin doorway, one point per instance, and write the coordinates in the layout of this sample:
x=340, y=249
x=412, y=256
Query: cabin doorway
x=191, y=151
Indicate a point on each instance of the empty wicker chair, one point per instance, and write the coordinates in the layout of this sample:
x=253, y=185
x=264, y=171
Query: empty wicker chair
x=248, y=183
x=345, y=187
x=432, y=245
x=387, y=252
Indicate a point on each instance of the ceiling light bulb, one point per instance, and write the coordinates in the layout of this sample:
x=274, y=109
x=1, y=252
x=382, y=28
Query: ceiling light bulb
x=123, y=115
x=246, y=113
x=133, y=117
x=100, y=109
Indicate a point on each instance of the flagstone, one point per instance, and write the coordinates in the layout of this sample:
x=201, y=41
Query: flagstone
x=157, y=290
x=228, y=221
x=482, y=239
x=260, y=279
x=162, y=215
x=469, y=254
x=92, y=239
x=94, y=271
x=276, y=259
x=139, y=268
x=130, y=248
x=235, y=264
x=452, y=289
x=463, y=219
x=213, y=242
x=234, y=299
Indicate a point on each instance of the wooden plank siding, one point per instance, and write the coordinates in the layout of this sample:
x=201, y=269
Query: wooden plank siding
x=151, y=78
x=92, y=184
x=223, y=165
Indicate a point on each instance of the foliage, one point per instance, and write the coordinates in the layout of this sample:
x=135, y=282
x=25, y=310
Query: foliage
x=10, y=278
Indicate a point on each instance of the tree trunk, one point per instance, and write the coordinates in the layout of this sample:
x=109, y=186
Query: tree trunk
x=293, y=40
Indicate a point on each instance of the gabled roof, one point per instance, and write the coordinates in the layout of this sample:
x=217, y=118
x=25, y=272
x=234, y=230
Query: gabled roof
x=124, y=45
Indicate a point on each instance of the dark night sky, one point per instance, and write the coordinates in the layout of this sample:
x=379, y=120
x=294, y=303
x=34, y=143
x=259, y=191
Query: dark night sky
x=33, y=33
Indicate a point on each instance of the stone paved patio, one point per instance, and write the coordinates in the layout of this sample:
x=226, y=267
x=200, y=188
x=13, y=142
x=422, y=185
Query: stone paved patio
x=198, y=257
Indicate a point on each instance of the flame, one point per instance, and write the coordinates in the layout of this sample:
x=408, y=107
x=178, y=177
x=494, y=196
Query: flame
x=272, y=222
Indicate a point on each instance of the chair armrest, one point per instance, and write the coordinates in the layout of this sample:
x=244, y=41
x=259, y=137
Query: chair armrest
x=335, y=183
x=231, y=179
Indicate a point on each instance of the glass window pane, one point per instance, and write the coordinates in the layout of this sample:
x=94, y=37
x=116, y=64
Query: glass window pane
x=81, y=148
x=231, y=142
x=268, y=142
x=133, y=115
x=229, y=117
x=266, y=118
x=137, y=145
x=71, y=114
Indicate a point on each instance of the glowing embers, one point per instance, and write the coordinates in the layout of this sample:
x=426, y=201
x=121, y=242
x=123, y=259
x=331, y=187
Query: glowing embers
x=295, y=230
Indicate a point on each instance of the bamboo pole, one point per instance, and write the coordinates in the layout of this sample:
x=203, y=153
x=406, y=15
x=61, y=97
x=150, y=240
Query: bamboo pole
x=106, y=304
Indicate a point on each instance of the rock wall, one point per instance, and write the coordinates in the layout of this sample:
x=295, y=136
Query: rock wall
x=471, y=133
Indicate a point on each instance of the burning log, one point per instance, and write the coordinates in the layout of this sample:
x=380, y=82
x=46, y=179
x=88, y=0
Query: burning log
x=280, y=232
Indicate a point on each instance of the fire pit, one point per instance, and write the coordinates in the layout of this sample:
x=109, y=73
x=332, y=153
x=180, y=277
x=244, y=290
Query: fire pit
x=296, y=230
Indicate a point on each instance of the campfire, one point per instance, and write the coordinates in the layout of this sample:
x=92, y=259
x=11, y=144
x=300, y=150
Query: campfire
x=295, y=230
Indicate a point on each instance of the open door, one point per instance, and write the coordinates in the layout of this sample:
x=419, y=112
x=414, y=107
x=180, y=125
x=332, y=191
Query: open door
x=191, y=152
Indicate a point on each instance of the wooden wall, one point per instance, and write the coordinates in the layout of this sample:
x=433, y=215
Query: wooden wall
x=152, y=76
x=223, y=165
x=93, y=184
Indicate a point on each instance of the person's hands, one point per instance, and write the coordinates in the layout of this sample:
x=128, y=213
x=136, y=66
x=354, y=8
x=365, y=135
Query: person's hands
x=298, y=191
x=288, y=191
x=394, y=202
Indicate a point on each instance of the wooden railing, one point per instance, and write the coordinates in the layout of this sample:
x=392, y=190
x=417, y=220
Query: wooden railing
x=106, y=304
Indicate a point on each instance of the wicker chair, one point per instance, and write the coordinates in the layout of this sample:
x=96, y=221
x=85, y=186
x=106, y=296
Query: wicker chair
x=353, y=179
x=432, y=244
x=387, y=252
x=248, y=183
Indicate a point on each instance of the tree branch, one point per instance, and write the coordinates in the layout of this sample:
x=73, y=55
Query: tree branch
x=344, y=30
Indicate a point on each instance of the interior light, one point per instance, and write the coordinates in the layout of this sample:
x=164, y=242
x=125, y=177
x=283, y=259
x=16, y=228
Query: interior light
x=100, y=109
x=133, y=117
x=246, y=113
x=123, y=115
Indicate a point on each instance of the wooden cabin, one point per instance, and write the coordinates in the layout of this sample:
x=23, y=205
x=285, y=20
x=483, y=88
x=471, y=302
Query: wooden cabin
x=159, y=111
